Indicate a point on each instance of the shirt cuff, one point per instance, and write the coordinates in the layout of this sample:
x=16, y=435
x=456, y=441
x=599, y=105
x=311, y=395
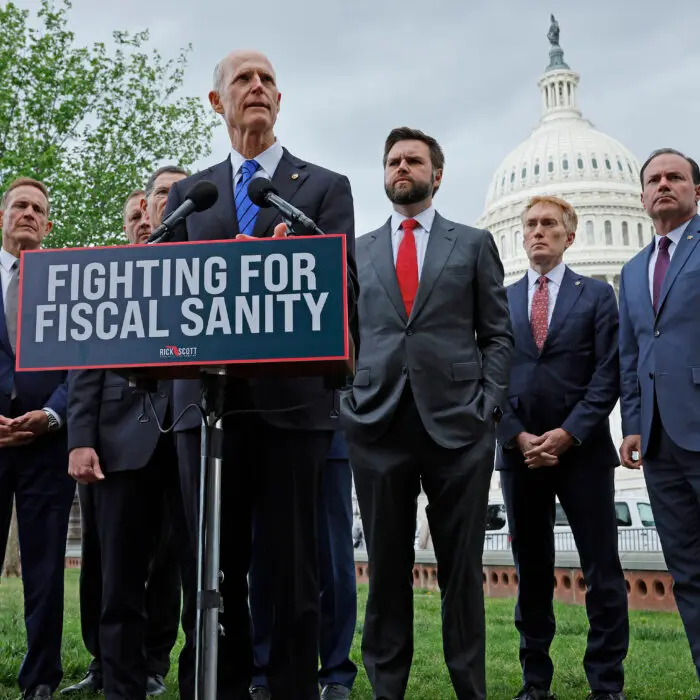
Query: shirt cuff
x=54, y=414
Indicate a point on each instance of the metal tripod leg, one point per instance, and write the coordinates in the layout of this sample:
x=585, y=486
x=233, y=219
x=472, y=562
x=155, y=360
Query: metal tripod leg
x=209, y=601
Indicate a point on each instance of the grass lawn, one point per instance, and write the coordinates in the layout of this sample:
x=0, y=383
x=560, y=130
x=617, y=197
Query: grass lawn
x=658, y=667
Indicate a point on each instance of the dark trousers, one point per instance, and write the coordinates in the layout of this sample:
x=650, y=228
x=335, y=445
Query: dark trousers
x=43, y=493
x=588, y=498
x=388, y=475
x=672, y=476
x=278, y=473
x=336, y=576
x=129, y=510
x=163, y=590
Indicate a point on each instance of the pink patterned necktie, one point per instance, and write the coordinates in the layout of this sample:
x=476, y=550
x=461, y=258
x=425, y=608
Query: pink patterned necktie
x=539, y=314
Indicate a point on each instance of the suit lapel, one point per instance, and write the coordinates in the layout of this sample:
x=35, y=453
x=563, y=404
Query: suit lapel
x=441, y=241
x=571, y=287
x=382, y=256
x=289, y=175
x=520, y=316
x=685, y=247
x=224, y=207
x=4, y=338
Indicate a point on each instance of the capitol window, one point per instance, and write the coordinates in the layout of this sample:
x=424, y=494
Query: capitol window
x=640, y=236
x=590, y=233
x=579, y=162
x=504, y=245
x=523, y=173
x=594, y=163
x=537, y=168
x=625, y=234
x=565, y=164
x=512, y=177
x=608, y=233
x=619, y=164
x=518, y=242
x=550, y=166
x=608, y=165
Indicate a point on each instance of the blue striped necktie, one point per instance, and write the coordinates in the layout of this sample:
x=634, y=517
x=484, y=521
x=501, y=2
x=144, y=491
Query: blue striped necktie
x=246, y=211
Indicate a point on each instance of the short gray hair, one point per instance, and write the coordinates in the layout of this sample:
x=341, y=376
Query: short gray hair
x=219, y=75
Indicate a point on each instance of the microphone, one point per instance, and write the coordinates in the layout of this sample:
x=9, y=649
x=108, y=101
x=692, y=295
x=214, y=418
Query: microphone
x=263, y=193
x=200, y=197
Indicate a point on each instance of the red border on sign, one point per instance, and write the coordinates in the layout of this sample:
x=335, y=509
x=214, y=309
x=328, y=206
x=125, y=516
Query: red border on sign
x=276, y=360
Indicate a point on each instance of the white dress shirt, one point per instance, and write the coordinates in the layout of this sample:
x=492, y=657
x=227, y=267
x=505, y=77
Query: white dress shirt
x=555, y=277
x=268, y=161
x=7, y=260
x=421, y=233
x=674, y=236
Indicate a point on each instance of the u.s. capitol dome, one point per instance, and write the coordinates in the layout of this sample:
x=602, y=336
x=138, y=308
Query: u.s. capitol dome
x=566, y=156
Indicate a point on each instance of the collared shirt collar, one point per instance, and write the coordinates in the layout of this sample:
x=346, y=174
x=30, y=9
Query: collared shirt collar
x=674, y=236
x=268, y=160
x=425, y=219
x=7, y=260
x=556, y=275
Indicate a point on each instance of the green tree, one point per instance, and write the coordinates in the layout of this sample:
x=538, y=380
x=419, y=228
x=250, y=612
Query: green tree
x=92, y=122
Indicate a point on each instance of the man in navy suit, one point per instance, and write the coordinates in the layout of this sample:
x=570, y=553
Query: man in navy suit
x=273, y=456
x=554, y=441
x=660, y=371
x=33, y=456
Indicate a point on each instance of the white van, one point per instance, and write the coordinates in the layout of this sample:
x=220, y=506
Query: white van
x=635, y=526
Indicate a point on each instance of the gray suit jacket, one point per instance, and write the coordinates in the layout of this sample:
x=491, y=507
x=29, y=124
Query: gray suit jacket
x=105, y=413
x=455, y=349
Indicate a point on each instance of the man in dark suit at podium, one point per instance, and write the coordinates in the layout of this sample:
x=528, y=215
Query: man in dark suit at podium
x=163, y=591
x=32, y=453
x=272, y=458
x=554, y=441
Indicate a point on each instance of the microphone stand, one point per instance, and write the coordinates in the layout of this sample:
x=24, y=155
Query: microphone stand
x=209, y=575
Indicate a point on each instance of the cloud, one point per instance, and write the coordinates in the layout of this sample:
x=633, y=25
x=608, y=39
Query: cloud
x=465, y=72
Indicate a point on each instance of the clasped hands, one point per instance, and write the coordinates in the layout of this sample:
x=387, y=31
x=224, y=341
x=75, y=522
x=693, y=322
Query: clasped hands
x=544, y=450
x=21, y=430
x=279, y=232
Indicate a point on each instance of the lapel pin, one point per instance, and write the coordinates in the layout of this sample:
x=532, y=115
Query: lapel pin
x=577, y=282
x=690, y=238
x=295, y=176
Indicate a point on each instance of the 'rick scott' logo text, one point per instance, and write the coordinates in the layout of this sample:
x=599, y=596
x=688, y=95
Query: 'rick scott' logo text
x=174, y=351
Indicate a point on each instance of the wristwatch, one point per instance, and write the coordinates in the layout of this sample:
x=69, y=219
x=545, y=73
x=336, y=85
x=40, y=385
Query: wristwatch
x=53, y=422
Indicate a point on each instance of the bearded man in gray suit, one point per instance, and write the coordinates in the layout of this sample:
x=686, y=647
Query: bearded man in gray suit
x=431, y=376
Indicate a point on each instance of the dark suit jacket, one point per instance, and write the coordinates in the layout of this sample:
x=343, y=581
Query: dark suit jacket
x=574, y=383
x=326, y=198
x=455, y=348
x=104, y=412
x=660, y=354
x=35, y=390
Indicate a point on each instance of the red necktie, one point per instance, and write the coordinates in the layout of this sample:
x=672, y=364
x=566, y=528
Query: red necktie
x=539, y=313
x=407, y=265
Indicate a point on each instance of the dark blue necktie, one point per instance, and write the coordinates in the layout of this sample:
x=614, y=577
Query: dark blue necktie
x=246, y=211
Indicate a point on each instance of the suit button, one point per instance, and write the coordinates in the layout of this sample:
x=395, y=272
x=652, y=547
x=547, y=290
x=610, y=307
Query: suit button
x=657, y=332
x=651, y=375
x=404, y=369
x=409, y=331
x=162, y=394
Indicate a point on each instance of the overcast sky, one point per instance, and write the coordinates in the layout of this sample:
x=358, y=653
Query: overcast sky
x=465, y=72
